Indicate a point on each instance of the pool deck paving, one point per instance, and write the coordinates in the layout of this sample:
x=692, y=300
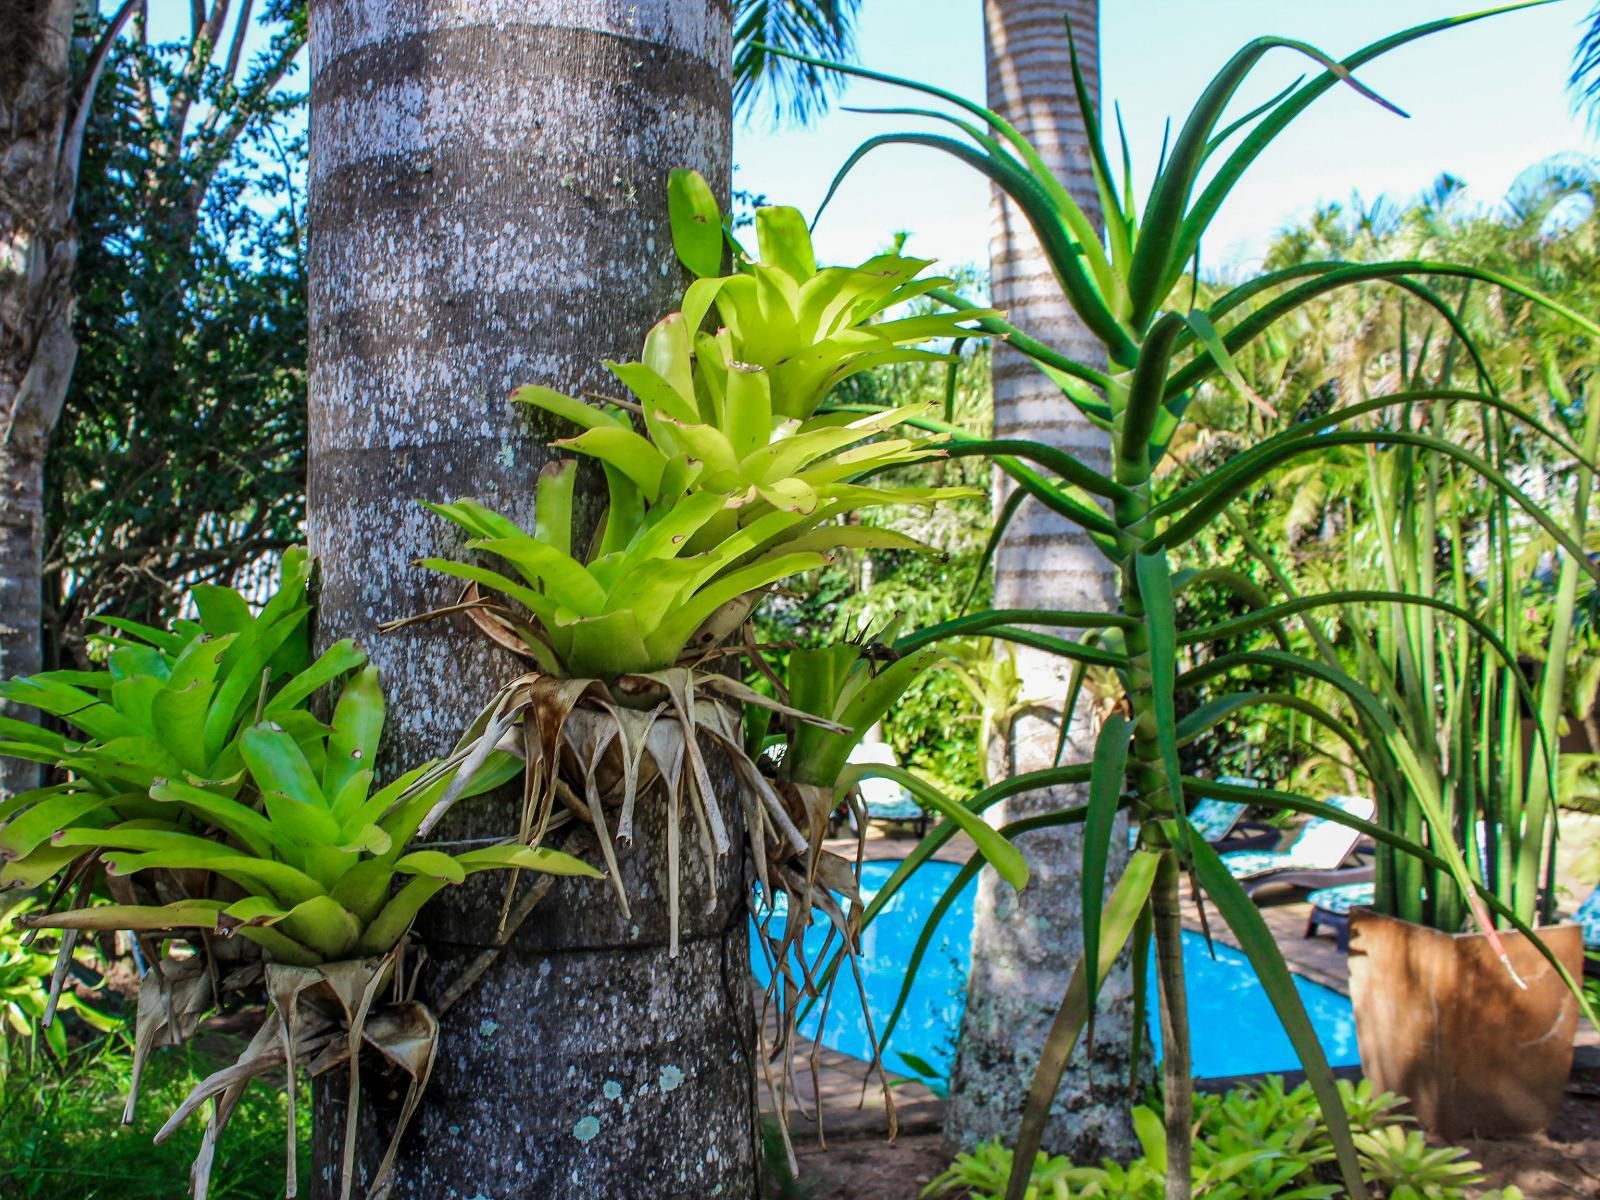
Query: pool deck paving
x=850, y=1110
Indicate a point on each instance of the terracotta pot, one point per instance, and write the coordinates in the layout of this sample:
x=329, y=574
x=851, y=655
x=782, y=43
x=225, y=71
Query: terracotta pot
x=1439, y=1021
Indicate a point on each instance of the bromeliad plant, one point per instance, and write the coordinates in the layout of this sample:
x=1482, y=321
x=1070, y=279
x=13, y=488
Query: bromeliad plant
x=1256, y=1142
x=258, y=853
x=167, y=703
x=723, y=478
x=735, y=482
x=1161, y=344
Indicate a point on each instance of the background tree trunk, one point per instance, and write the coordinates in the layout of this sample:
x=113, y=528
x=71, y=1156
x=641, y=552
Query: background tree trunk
x=487, y=209
x=37, y=253
x=1024, y=948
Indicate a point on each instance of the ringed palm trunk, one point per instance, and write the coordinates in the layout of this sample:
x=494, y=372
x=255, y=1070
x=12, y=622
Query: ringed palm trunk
x=1024, y=946
x=488, y=209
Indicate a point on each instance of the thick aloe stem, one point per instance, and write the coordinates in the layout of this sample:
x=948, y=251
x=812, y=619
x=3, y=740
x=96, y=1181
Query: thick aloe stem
x=1177, y=1084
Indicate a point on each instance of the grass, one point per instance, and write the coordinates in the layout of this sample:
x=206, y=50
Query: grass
x=61, y=1135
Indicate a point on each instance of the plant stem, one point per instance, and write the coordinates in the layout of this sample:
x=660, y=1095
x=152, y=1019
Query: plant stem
x=1178, y=1085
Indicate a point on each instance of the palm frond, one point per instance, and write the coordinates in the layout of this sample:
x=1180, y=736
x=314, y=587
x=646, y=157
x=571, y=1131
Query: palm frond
x=797, y=91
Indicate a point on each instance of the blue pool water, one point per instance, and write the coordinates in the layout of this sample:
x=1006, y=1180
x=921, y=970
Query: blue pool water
x=1233, y=1027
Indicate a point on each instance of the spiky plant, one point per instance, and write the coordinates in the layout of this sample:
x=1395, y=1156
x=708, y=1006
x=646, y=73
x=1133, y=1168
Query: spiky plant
x=242, y=840
x=1161, y=343
x=844, y=689
x=724, y=478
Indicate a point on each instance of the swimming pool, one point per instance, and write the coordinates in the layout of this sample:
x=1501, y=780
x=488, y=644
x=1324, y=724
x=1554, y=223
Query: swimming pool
x=1234, y=1030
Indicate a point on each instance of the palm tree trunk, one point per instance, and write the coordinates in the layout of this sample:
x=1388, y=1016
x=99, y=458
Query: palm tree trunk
x=1024, y=946
x=487, y=209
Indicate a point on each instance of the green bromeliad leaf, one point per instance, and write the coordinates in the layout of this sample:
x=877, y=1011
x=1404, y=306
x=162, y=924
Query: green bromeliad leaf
x=322, y=861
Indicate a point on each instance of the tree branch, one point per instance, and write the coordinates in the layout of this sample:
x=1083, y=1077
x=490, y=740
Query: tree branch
x=70, y=152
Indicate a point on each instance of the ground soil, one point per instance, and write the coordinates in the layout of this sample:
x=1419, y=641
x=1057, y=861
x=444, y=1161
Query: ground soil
x=1563, y=1164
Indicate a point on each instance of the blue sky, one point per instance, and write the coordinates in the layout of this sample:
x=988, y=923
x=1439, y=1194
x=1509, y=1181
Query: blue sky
x=1486, y=101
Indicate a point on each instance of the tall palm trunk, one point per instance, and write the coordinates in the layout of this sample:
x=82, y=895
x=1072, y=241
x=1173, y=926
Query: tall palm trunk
x=488, y=209
x=1024, y=946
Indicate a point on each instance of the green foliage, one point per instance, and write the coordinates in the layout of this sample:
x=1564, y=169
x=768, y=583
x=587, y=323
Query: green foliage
x=736, y=481
x=61, y=1133
x=180, y=454
x=196, y=752
x=25, y=974
x=316, y=853
x=1256, y=1142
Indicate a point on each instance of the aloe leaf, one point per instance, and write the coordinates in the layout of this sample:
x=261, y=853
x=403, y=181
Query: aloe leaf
x=1060, y=247
x=999, y=853
x=1215, y=495
x=1121, y=913
x=983, y=621
x=1155, y=591
x=1105, y=796
x=1204, y=210
x=1255, y=939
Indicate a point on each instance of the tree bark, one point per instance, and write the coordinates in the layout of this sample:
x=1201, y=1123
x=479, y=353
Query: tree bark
x=38, y=249
x=487, y=209
x=1025, y=946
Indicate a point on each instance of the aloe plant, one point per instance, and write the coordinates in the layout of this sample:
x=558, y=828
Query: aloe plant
x=1161, y=343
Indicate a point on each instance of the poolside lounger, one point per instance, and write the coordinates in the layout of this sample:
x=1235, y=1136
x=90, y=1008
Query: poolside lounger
x=1219, y=822
x=1588, y=915
x=884, y=799
x=1331, y=907
x=1316, y=858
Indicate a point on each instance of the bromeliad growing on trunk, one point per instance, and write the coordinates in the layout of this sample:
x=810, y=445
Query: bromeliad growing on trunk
x=241, y=840
x=1130, y=290
x=724, y=478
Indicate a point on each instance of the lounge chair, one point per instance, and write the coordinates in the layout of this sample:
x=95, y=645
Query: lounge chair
x=1320, y=855
x=884, y=799
x=1330, y=908
x=1221, y=823
x=1588, y=915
